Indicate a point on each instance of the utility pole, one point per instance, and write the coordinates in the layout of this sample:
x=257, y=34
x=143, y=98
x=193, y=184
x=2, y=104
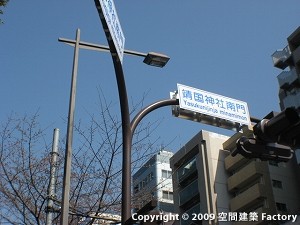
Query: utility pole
x=51, y=187
x=68, y=152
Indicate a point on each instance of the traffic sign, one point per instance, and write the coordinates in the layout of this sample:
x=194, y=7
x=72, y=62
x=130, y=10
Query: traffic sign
x=114, y=26
x=214, y=105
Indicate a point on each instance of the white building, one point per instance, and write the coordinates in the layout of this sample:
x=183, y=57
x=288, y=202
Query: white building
x=101, y=219
x=154, y=181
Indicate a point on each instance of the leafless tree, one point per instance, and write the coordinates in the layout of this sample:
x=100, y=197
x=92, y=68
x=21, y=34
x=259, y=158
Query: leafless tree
x=96, y=177
x=96, y=166
x=3, y=3
x=23, y=171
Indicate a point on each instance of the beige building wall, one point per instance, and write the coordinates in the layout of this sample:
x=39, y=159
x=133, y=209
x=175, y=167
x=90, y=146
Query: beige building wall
x=262, y=186
x=287, y=190
x=206, y=183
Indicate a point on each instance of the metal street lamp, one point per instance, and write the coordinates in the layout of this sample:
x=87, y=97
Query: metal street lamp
x=156, y=59
x=152, y=59
x=114, y=33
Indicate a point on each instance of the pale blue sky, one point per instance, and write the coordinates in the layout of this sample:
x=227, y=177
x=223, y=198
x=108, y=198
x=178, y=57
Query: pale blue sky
x=222, y=47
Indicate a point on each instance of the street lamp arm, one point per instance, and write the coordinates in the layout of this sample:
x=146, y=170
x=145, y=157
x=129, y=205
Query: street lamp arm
x=101, y=48
x=149, y=109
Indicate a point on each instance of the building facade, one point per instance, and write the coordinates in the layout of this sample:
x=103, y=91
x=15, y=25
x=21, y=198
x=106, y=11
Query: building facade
x=289, y=79
x=154, y=181
x=262, y=187
x=199, y=178
x=288, y=59
x=233, y=190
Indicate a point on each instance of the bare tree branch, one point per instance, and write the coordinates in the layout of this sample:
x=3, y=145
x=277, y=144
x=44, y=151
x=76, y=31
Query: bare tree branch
x=96, y=166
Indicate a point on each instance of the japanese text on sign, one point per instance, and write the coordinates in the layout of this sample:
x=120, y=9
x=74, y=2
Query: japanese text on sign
x=207, y=103
x=114, y=26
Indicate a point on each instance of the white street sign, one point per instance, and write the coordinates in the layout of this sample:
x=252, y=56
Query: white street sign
x=207, y=103
x=114, y=26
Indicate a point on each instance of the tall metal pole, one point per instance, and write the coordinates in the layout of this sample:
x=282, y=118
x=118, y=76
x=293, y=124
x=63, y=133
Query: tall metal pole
x=127, y=139
x=125, y=115
x=51, y=188
x=68, y=152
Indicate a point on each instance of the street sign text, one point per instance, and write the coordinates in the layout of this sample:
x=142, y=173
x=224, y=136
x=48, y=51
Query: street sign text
x=114, y=26
x=214, y=105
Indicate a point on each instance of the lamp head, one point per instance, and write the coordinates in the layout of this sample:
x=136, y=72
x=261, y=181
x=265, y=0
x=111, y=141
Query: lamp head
x=156, y=59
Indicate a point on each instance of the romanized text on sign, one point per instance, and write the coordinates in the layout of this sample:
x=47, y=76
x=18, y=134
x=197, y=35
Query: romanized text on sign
x=114, y=26
x=214, y=105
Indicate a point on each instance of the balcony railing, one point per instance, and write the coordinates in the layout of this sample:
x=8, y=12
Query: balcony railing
x=248, y=198
x=281, y=58
x=245, y=176
x=286, y=79
x=188, y=193
x=233, y=163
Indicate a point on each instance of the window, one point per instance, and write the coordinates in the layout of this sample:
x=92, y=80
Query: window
x=166, y=174
x=277, y=184
x=167, y=195
x=273, y=163
x=151, y=176
x=145, y=181
x=140, y=186
x=281, y=207
x=187, y=169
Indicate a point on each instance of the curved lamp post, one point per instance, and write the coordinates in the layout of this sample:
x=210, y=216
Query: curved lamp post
x=154, y=60
x=127, y=133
